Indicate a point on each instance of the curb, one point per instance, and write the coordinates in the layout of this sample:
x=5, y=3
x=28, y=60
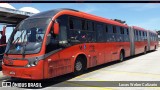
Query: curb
x=3, y=77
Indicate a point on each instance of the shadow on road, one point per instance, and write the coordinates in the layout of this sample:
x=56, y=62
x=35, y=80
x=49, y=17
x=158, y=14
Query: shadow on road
x=53, y=81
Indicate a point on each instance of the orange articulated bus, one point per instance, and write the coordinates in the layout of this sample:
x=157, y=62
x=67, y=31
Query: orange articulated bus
x=152, y=40
x=62, y=41
x=140, y=40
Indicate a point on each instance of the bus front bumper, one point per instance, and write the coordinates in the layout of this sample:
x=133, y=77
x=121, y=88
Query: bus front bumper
x=33, y=73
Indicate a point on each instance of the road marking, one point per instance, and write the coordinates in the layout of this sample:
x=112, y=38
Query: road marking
x=96, y=87
x=132, y=73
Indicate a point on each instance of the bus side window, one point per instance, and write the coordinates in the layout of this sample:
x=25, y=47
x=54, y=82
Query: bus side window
x=83, y=23
x=135, y=35
x=74, y=29
x=137, y=32
x=62, y=20
x=122, y=34
x=106, y=33
x=139, y=35
x=118, y=34
x=126, y=36
x=71, y=24
x=110, y=32
x=74, y=23
x=114, y=34
x=100, y=31
x=90, y=31
x=90, y=26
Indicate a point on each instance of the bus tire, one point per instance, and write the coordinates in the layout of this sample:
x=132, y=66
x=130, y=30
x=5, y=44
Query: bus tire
x=79, y=66
x=121, y=56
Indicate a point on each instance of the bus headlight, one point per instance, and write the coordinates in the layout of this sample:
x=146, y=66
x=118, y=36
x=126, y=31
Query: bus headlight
x=28, y=65
x=35, y=62
x=32, y=63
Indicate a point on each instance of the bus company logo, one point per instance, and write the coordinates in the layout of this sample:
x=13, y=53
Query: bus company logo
x=82, y=47
x=6, y=84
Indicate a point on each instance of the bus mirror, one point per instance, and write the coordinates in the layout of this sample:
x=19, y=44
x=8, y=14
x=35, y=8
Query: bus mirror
x=56, y=28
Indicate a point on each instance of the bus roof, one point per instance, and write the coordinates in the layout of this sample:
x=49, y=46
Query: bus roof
x=101, y=19
x=139, y=28
x=153, y=32
x=61, y=11
x=49, y=13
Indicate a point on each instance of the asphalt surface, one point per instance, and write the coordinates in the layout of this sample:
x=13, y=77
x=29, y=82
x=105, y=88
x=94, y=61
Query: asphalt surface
x=138, y=68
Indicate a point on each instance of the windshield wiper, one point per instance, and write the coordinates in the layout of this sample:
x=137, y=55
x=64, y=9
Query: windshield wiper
x=17, y=39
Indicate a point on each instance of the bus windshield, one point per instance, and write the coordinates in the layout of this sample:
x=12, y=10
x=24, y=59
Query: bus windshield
x=28, y=36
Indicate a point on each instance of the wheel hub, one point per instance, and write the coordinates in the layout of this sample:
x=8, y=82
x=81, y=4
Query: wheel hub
x=78, y=66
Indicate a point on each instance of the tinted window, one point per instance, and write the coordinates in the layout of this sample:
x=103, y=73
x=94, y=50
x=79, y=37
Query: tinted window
x=83, y=31
x=106, y=27
x=117, y=29
x=139, y=33
x=75, y=23
x=100, y=36
x=114, y=29
x=136, y=35
x=110, y=28
x=90, y=26
x=122, y=30
x=71, y=23
x=125, y=35
x=136, y=32
x=84, y=25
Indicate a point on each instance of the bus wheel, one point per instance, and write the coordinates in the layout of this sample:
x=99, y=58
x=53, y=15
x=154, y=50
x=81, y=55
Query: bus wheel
x=121, y=56
x=79, y=66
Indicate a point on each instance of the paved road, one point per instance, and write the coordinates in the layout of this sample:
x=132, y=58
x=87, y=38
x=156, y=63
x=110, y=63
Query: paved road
x=138, y=68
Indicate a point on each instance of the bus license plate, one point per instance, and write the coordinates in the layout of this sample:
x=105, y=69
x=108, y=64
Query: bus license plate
x=12, y=73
